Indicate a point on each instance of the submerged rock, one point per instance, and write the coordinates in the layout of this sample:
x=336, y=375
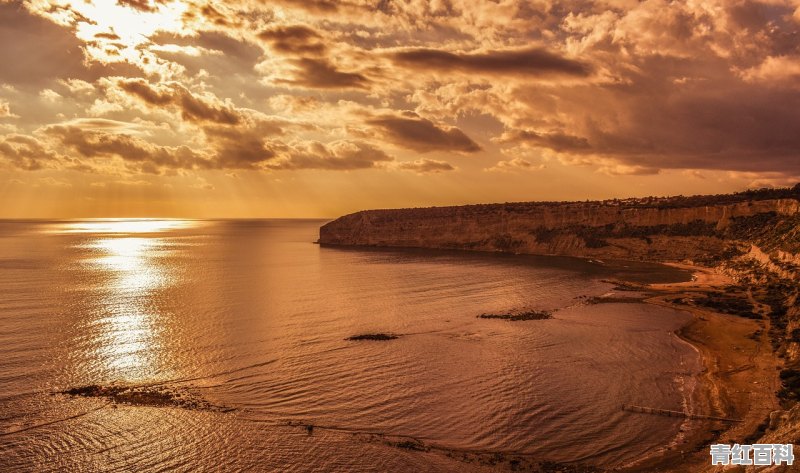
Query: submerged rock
x=614, y=300
x=157, y=396
x=374, y=336
x=519, y=316
x=412, y=444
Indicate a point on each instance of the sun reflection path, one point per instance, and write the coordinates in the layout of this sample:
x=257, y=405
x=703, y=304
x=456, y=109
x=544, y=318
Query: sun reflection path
x=131, y=262
x=128, y=329
x=117, y=226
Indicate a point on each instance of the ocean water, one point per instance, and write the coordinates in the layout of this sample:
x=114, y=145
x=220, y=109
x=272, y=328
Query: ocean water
x=249, y=321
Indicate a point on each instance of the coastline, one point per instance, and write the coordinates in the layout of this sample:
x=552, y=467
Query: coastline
x=739, y=378
x=734, y=390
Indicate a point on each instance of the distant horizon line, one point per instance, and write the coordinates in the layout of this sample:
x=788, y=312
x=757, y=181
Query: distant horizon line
x=67, y=219
x=793, y=189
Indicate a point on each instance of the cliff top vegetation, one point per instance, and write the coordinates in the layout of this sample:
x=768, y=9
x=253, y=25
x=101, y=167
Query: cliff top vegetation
x=670, y=202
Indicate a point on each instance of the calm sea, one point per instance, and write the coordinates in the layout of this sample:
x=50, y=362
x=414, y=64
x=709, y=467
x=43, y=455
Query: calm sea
x=252, y=318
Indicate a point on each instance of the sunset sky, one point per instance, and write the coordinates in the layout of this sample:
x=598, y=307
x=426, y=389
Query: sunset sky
x=293, y=108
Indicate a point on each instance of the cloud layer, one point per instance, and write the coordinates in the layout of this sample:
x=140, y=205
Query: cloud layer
x=621, y=87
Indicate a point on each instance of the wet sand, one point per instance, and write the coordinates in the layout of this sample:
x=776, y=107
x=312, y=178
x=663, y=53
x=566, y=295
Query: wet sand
x=739, y=380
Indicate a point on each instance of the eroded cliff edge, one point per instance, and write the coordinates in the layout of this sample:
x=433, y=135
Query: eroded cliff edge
x=752, y=236
x=655, y=229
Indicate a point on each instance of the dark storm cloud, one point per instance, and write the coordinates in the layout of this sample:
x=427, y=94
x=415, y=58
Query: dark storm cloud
x=307, y=49
x=532, y=61
x=148, y=157
x=314, y=6
x=755, y=131
x=337, y=156
x=420, y=134
x=555, y=141
x=110, y=36
x=295, y=39
x=686, y=127
x=25, y=152
x=215, y=16
x=240, y=147
x=193, y=108
x=141, y=5
x=674, y=114
x=322, y=74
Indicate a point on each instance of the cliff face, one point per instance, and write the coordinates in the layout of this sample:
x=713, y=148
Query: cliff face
x=610, y=229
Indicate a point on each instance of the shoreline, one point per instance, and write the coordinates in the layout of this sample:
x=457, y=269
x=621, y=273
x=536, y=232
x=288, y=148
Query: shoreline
x=738, y=380
x=739, y=377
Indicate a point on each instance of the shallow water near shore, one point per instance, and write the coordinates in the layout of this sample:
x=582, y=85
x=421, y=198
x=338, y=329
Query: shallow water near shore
x=241, y=328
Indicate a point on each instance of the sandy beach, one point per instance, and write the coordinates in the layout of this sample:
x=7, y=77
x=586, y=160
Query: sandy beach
x=739, y=380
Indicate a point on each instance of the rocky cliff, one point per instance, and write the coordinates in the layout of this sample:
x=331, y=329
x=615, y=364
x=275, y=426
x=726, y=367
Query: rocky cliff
x=752, y=236
x=700, y=228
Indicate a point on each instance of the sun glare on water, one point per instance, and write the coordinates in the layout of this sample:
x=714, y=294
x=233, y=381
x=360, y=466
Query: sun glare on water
x=122, y=226
x=127, y=259
x=127, y=324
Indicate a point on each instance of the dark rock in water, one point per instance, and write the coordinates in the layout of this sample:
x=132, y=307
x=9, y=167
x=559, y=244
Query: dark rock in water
x=624, y=285
x=157, y=396
x=519, y=316
x=614, y=300
x=415, y=445
x=91, y=390
x=498, y=461
x=374, y=336
x=549, y=466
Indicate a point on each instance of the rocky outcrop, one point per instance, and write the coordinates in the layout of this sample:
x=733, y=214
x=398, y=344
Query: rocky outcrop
x=695, y=228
